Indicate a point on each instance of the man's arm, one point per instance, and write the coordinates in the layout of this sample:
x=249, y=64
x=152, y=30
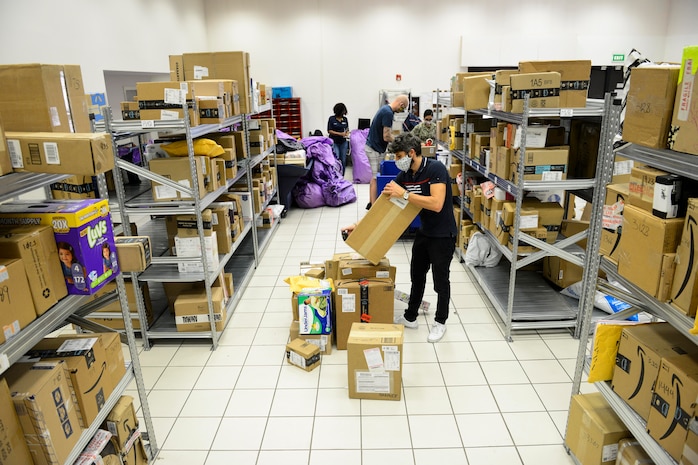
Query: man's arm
x=434, y=201
x=388, y=134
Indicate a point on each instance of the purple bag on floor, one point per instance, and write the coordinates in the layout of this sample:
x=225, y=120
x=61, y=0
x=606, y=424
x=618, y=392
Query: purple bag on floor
x=361, y=167
x=324, y=183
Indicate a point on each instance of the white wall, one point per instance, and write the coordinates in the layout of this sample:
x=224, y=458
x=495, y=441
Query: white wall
x=331, y=51
x=123, y=35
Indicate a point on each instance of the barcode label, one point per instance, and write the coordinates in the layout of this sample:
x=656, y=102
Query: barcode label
x=51, y=151
x=15, y=153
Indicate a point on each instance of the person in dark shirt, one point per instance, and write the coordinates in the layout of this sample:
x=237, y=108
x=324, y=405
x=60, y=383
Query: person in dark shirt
x=426, y=183
x=338, y=130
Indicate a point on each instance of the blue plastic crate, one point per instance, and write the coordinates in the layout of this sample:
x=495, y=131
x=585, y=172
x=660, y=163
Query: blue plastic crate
x=281, y=92
x=388, y=167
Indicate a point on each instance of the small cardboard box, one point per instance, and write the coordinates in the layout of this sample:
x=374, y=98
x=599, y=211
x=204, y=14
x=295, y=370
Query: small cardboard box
x=641, y=186
x=133, y=252
x=323, y=341
x=650, y=105
x=645, y=240
x=16, y=306
x=547, y=164
x=381, y=227
x=524, y=247
x=191, y=310
x=13, y=447
x=74, y=187
x=179, y=171
x=543, y=90
x=315, y=311
x=84, y=237
x=122, y=423
x=640, y=353
x=574, y=78
x=86, y=154
x=303, y=354
x=683, y=135
x=220, y=220
x=374, y=361
x=561, y=272
x=593, y=430
x=630, y=452
x=673, y=402
x=5, y=163
x=94, y=362
x=36, y=246
x=186, y=224
x=684, y=290
x=366, y=300
x=41, y=390
x=362, y=268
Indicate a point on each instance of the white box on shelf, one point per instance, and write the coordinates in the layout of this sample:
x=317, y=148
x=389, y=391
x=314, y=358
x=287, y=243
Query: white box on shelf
x=191, y=247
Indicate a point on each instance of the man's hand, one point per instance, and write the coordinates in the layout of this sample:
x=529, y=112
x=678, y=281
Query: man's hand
x=393, y=189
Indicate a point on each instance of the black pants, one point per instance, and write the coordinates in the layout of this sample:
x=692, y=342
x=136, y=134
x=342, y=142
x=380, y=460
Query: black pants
x=434, y=252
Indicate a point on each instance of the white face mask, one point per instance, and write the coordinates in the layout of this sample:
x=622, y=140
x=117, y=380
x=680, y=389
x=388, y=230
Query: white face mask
x=404, y=163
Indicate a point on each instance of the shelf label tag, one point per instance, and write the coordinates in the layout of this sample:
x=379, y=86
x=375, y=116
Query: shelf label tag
x=147, y=123
x=566, y=112
x=4, y=362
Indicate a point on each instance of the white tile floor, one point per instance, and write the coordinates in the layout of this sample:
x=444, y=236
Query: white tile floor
x=472, y=398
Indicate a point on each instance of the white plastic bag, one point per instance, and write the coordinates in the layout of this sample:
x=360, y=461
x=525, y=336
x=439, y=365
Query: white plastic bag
x=604, y=302
x=481, y=253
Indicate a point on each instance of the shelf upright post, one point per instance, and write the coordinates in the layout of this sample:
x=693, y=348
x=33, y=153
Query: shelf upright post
x=126, y=225
x=248, y=170
x=123, y=300
x=592, y=259
x=517, y=219
x=208, y=279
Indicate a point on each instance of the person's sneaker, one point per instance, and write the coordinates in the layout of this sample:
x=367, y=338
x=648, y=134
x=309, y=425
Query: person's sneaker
x=401, y=320
x=437, y=332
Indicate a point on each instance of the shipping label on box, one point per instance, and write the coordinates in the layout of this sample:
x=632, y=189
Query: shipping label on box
x=84, y=238
x=315, y=311
x=683, y=135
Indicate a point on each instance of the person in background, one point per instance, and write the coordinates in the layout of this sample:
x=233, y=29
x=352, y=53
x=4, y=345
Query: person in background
x=425, y=183
x=338, y=129
x=427, y=128
x=379, y=135
x=410, y=122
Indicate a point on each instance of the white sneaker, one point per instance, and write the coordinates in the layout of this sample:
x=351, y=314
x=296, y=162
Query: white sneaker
x=437, y=332
x=401, y=320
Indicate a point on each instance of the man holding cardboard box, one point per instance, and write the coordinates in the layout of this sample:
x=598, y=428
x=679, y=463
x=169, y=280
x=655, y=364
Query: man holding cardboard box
x=425, y=183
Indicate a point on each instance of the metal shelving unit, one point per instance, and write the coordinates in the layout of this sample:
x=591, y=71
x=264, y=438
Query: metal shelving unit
x=523, y=300
x=686, y=165
x=164, y=267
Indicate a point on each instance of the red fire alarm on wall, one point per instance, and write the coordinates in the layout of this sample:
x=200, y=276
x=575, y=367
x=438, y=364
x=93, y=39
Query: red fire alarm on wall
x=398, y=77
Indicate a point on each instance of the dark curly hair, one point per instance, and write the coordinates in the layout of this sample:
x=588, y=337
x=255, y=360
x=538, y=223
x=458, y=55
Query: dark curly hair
x=340, y=109
x=405, y=142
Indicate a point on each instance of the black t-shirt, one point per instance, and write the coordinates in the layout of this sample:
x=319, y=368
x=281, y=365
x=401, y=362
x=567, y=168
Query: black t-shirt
x=433, y=224
x=335, y=125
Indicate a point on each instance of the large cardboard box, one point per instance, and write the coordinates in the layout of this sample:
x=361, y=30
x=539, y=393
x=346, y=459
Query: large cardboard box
x=574, y=78
x=36, y=246
x=650, y=105
x=74, y=187
x=645, y=241
x=593, y=430
x=684, y=291
x=12, y=444
x=84, y=237
x=191, y=310
x=374, y=361
x=640, y=352
x=43, y=98
x=220, y=221
x=161, y=100
x=94, y=363
x=641, y=186
x=365, y=300
x=191, y=247
x=41, y=390
x=179, y=171
x=122, y=423
x=381, y=227
x=674, y=402
x=303, y=354
x=543, y=90
x=16, y=306
x=84, y=154
x=221, y=65
x=683, y=136
x=612, y=220
x=547, y=164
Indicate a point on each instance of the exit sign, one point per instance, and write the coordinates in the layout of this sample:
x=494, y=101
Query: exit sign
x=618, y=57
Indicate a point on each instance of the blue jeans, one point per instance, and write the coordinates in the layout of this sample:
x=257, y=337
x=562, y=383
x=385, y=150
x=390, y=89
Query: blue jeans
x=340, y=152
